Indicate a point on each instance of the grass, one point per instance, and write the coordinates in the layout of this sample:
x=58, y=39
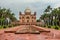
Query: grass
x=5, y=26
x=54, y=27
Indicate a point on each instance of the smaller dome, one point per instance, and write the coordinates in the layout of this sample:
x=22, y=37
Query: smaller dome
x=27, y=10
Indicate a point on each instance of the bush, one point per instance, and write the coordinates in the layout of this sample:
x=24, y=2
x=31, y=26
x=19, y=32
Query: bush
x=4, y=26
x=49, y=26
x=0, y=27
x=56, y=27
x=44, y=26
x=9, y=26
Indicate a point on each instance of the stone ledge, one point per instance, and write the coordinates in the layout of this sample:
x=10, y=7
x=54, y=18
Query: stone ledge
x=9, y=31
x=26, y=33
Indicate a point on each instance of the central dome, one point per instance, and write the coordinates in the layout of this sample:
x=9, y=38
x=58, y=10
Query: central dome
x=27, y=10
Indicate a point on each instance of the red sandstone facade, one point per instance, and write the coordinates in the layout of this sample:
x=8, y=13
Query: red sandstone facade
x=27, y=18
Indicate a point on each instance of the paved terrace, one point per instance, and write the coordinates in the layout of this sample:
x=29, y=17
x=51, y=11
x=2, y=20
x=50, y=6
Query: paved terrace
x=45, y=34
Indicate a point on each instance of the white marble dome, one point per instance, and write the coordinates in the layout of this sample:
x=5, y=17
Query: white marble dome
x=27, y=10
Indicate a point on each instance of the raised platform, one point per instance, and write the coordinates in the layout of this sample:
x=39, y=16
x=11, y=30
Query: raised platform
x=16, y=33
x=27, y=30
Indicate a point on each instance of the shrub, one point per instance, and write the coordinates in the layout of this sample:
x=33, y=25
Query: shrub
x=44, y=25
x=56, y=27
x=49, y=26
x=4, y=26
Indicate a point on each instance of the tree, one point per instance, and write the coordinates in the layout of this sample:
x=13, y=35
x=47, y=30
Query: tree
x=47, y=11
x=6, y=13
x=38, y=20
x=59, y=16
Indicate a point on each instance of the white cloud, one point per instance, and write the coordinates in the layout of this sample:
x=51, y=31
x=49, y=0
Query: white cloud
x=35, y=5
x=57, y=5
x=20, y=1
x=27, y=1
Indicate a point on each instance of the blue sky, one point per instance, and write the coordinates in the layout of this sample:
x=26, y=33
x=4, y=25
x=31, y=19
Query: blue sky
x=35, y=5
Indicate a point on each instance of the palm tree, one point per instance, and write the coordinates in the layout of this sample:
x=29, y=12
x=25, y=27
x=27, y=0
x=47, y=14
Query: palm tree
x=58, y=14
x=45, y=18
x=48, y=10
x=55, y=15
x=6, y=13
